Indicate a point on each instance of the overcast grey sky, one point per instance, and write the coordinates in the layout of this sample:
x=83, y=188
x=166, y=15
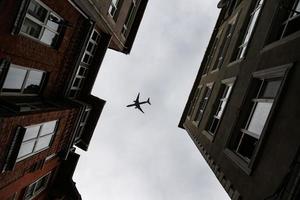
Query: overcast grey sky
x=135, y=156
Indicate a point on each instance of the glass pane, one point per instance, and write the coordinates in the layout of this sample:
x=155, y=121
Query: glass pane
x=41, y=184
x=247, y=146
x=81, y=71
x=48, y=127
x=259, y=117
x=33, y=82
x=114, y=2
x=90, y=47
x=48, y=37
x=221, y=109
x=94, y=36
x=31, y=132
x=29, y=191
x=31, y=28
x=15, y=78
x=37, y=11
x=53, y=22
x=43, y=142
x=271, y=88
x=26, y=148
x=297, y=9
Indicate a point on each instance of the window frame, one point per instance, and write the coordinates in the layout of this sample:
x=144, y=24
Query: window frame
x=37, y=138
x=270, y=73
x=43, y=25
x=75, y=90
x=230, y=82
x=21, y=93
x=194, y=101
x=115, y=8
x=35, y=183
x=228, y=33
x=202, y=105
x=82, y=122
x=129, y=18
x=243, y=44
x=212, y=52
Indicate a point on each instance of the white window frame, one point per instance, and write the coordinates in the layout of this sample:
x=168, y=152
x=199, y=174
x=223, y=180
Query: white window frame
x=222, y=100
x=36, y=139
x=254, y=16
x=75, y=89
x=42, y=24
x=113, y=8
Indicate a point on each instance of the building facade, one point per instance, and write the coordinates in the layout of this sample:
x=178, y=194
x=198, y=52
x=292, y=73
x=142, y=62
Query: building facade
x=50, y=55
x=242, y=112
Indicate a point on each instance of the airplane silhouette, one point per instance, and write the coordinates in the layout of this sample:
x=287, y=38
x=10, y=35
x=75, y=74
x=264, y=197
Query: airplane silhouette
x=137, y=103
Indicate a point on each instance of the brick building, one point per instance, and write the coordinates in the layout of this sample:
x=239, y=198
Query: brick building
x=243, y=112
x=50, y=55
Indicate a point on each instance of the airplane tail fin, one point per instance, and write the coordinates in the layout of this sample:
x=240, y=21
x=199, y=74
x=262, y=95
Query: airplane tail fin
x=148, y=101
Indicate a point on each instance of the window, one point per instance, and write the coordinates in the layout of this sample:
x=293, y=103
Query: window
x=37, y=187
x=225, y=43
x=255, y=116
x=41, y=23
x=114, y=8
x=249, y=31
x=194, y=101
x=129, y=19
x=86, y=61
x=83, y=120
x=212, y=53
x=37, y=138
x=203, y=102
x=22, y=81
x=219, y=107
x=291, y=20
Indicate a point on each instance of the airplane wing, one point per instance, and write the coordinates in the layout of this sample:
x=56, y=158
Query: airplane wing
x=137, y=98
x=138, y=107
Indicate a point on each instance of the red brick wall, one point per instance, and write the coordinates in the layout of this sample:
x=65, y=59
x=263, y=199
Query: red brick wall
x=8, y=127
x=19, y=186
x=31, y=53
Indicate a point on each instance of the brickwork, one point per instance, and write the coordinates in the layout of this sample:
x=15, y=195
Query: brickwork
x=61, y=138
x=30, y=53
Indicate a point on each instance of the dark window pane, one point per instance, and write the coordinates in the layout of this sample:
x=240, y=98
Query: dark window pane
x=31, y=28
x=37, y=11
x=214, y=125
x=247, y=146
x=271, y=88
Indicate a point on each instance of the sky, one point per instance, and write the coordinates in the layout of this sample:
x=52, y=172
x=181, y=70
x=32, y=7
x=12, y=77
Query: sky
x=136, y=156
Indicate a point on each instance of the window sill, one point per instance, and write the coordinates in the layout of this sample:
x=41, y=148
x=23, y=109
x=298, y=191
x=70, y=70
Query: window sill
x=280, y=42
x=214, y=71
x=235, y=62
x=209, y=136
x=204, y=75
x=238, y=161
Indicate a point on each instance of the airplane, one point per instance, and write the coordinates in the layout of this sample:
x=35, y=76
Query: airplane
x=137, y=103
